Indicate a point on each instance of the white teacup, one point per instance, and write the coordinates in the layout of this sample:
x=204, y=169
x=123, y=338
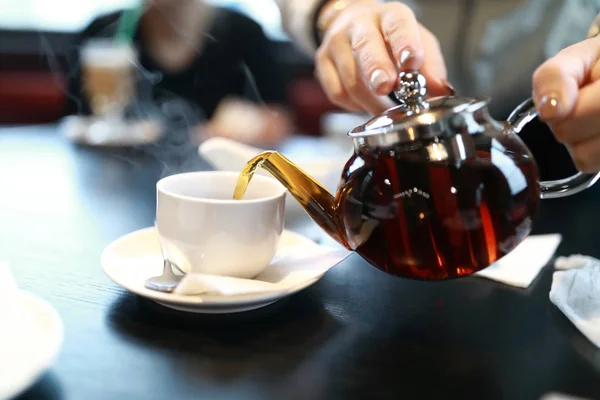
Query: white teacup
x=203, y=230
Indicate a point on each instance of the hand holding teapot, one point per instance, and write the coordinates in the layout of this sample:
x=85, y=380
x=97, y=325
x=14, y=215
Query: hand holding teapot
x=566, y=89
x=353, y=63
x=356, y=70
x=436, y=188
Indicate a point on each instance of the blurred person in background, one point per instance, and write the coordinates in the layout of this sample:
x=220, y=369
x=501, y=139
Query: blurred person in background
x=213, y=69
x=484, y=47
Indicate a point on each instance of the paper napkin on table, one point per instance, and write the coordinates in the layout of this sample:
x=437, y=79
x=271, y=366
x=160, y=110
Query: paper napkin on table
x=576, y=292
x=522, y=265
x=292, y=266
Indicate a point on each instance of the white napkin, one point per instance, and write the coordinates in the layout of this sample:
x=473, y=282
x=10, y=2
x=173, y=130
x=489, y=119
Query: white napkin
x=576, y=292
x=291, y=267
x=574, y=261
x=522, y=265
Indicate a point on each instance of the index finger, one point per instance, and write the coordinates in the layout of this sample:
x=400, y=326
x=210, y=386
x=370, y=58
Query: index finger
x=372, y=57
x=400, y=30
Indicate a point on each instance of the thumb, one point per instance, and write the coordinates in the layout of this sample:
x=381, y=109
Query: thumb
x=556, y=82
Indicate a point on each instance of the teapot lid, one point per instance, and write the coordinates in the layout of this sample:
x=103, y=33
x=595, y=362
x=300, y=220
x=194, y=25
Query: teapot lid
x=416, y=117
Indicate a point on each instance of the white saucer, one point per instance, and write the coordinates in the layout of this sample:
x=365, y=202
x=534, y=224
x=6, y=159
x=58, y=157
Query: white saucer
x=38, y=344
x=133, y=258
x=91, y=131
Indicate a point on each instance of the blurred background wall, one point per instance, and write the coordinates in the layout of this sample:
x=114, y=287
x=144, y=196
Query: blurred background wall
x=35, y=36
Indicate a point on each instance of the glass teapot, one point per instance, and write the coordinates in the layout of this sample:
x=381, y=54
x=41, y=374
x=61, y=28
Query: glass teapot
x=436, y=188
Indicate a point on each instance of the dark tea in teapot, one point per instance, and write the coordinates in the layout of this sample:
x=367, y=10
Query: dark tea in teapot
x=417, y=218
x=437, y=220
x=436, y=188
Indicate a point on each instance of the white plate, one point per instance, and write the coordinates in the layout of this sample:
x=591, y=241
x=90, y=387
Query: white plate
x=80, y=130
x=133, y=258
x=29, y=357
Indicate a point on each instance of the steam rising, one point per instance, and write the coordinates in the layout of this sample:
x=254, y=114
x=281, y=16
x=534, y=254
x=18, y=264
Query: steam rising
x=178, y=117
x=55, y=68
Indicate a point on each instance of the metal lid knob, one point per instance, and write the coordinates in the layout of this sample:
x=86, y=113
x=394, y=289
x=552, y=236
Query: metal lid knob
x=412, y=87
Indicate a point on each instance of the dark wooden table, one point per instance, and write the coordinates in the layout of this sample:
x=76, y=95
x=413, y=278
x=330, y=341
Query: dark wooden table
x=357, y=333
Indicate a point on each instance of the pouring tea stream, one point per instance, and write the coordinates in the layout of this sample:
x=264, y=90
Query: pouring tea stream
x=436, y=188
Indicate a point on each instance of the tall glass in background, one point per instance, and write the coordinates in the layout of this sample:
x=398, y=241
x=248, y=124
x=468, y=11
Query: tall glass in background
x=109, y=83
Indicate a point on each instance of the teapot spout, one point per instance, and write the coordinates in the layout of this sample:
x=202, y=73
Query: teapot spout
x=319, y=204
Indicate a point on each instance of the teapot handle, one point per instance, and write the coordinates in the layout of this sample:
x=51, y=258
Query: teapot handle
x=520, y=117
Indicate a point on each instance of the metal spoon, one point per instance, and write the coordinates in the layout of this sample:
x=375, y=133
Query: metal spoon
x=167, y=282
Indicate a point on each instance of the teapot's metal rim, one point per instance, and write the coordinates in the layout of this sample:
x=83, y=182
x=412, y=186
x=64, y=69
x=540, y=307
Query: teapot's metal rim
x=360, y=132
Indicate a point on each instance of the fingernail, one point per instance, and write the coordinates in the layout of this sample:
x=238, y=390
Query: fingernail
x=378, y=78
x=549, y=106
x=404, y=57
x=449, y=86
